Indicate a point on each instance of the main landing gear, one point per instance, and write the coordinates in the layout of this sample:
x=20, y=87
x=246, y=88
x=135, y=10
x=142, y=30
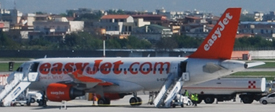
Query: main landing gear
x=43, y=100
x=103, y=101
x=135, y=101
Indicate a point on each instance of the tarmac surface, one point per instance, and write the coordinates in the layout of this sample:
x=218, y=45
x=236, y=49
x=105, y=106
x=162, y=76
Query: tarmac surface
x=122, y=105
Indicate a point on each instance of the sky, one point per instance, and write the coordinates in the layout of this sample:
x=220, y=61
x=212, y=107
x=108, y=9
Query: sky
x=210, y=6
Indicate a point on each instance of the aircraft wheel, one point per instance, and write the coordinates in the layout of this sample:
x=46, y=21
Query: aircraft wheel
x=139, y=101
x=40, y=103
x=103, y=101
x=135, y=101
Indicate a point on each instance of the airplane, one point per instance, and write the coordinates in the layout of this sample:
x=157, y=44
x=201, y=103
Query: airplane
x=63, y=79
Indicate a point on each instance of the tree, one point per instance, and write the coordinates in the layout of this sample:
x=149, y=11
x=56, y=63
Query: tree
x=246, y=17
x=89, y=17
x=253, y=43
x=119, y=11
x=167, y=43
x=7, y=43
x=39, y=12
x=70, y=13
x=63, y=14
x=187, y=42
x=135, y=43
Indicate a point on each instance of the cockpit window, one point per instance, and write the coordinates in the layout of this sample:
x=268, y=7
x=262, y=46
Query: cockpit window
x=19, y=69
x=34, y=67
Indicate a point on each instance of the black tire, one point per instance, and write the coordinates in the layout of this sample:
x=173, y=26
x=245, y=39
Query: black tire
x=199, y=101
x=247, y=100
x=264, y=102
x=134, y=101
x=103, y=101
x=209, y=100
x=32, y=100
x=40, y=103
x=181, y=105
x=174, y=105
x=139, y=101
x=28, y=104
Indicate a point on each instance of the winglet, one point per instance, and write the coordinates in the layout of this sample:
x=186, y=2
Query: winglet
x=220, y=41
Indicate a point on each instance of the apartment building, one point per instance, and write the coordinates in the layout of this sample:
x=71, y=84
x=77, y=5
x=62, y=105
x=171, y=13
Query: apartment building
x=116, y=26
x=58, y=27
x=152, y=32
x=263, y=29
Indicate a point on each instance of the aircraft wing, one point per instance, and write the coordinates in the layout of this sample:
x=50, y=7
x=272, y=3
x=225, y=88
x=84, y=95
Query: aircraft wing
x=253, y=64
x=80, y=78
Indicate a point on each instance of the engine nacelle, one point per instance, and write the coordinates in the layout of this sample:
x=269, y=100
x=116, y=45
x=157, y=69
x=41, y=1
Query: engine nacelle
x=58, y=92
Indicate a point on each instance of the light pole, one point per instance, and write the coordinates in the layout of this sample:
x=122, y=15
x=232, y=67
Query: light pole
x=103, y=33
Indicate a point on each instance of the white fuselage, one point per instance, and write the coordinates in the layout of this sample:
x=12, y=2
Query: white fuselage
x=130, y=74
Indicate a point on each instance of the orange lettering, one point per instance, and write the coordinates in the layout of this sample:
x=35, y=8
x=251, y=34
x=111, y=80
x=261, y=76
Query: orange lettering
x=106, y=68
x=131, y=68
x=143, y=70
x=81, y=67
x=57, y=68
x=161, y=67
x=68, y=68
x=45, y=68
x=95, y=68
x=116, y=67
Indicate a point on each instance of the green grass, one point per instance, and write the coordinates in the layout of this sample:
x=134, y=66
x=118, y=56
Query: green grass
x=15, y=59
x=253, y=74
x=263, y=60
x=267, y=65
x=269, y=75
x=4, y=67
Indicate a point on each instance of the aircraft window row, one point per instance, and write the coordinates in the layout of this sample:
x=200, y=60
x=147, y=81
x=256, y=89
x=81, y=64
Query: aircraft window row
x=118, y=69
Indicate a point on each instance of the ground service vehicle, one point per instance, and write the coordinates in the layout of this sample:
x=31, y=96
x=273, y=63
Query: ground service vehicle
x=223, y=89
x=181, y=100
x=268, y=99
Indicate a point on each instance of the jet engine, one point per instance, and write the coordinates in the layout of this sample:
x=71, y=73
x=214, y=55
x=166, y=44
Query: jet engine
x=58, y=92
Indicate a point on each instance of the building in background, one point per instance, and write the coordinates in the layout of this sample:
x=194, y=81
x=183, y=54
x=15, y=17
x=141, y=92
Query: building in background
x=116, y=26
x=152, y=32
